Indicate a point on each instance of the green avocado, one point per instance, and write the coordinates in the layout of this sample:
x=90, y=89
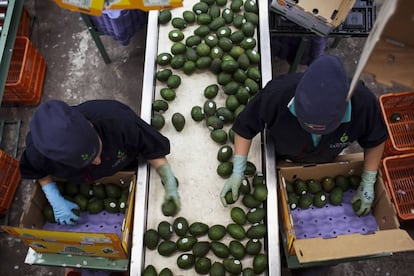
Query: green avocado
x=95, y=206
x=113, y=191
x=178, y=121
x=151, y=239
x=180, y=226
x=186, y=261
x=167, y=248
x=165, y=230
x=237, y=249
x=216, y=232
x=169, y=209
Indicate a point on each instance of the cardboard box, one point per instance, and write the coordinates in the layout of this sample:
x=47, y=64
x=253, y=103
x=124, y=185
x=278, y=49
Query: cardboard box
x=388, y=52
x=319, y=16
x=108, y=245
x=388, y=239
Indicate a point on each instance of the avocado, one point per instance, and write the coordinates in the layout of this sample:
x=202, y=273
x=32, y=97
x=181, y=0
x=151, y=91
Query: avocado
x=216, y=54
x=203, y=49
x=169, y=209
x=186, y=243
x=232, y=265
x=320, y=199
x=151, y=239
x=225, y=169
x=354, y=181
x=82, y=201
x=217, y=269
x=300, y=186
x=245, y=186
x=189, y=67
x=248, y=271
x=342, y=182
x=219, y=249
x=305, y=201
x=250, y=169
x=236, y=231
x=219, y=136
x=180, y=226
x=395, y=117
x=202, y=30
x=189, y=17
x=237, y=249
x=164, y=16
x=167, y=248
x=225, y=115
x=164, y=59
x=179, y=23
x=149, y=271
x=253, y=247
x=157, y=121
x=240, y=76
x=231, y=88
x=166, y=272
x=48, y=214
x=293, y=200
x=238, y=216
x=197, y=113
x=71, y=189
x=258, y=179
x=256, y=231
x=231, y=135
x=111, y=205
x=251, y=17
x=255, y=215
x=160, y=105
x=253, y=55
x=229, y=66
x=198, y=229
x=356, y=205
x=248, y=29
x=211, y=91
x=214, y=10
x=216, y=23
x=216, y=232
x=201, y=248
x=173, y=81
x=185, y=261
x=229, y=198
x=202, y=265
x=86, y=190
x=224, y=78
x=177, y=62
x=289, y=187
x=203, y=62
x=260, y=192
x=236, y=37
x=314, y=186
x=244, y=61
x=212, y=41
x=204, y=19
x=259, y=263
x=248, y=43
x=250, y=202
x=200, y=7
x=336, y=196
x=123, y=203
x=167, y=94
x=213, y=122
x=175, y=35
x=227, y=15
x=165, y=230
x=328, y=183
x=192, y=41
x=221, y=3
x=209, y=108
x=224, y=42
x=225, y=153
x=112, y=190
x=178, y=121
x=191, y=54
x=95, y=206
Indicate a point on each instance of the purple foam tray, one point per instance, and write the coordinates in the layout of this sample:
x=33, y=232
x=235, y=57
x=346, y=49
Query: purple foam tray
x=331, y=221
x=103, y=222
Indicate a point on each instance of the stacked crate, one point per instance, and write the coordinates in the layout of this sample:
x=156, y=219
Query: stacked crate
x=398, y=163
x=27, y=69
x=9, y=180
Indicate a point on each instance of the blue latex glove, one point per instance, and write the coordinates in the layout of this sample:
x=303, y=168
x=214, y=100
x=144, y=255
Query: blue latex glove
x=62, y=208
x=233, y=183
x=170, y=184
x=365, y=192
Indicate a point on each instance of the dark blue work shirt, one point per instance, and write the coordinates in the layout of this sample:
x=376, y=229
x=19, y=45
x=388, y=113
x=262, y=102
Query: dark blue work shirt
x=269, y=109
x=125, y=137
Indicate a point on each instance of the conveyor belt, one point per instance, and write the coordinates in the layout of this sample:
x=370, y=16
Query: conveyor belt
x=9, y=22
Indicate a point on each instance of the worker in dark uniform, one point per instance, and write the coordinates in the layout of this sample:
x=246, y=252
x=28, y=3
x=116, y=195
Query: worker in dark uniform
x=83, y=143
x=310, y=120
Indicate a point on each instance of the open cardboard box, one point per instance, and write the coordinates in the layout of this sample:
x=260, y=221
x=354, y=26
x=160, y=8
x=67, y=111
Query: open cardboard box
x=319, y=16
x=388, y=239
x=108, y=245
x=388, y=52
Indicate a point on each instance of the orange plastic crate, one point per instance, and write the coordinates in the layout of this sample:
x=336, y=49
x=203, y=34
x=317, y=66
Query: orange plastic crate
x=401, y=133
x=399, y=176
x=24, y=25
x=26, y=74
x=9, y=180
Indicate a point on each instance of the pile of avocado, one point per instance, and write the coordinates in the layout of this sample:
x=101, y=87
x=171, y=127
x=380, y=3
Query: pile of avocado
x=318, y=192
x=193, y=241
x=204, y=248
x=223, y=43
x=91, y=198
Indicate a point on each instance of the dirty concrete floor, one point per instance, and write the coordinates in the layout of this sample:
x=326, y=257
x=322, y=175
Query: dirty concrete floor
x=76, y=73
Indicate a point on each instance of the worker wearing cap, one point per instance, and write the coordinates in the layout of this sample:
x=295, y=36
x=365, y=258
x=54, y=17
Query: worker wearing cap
x=309, y=119
x=86, y=142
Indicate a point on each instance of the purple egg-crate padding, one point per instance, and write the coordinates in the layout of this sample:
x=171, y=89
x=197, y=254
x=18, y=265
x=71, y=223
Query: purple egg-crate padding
x=102, y=222
x=331, y=221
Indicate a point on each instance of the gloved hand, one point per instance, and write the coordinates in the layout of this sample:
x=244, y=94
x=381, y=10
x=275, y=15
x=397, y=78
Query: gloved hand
x=233, y=183
x=62, y=208
x=170, y=184
x=365, y=192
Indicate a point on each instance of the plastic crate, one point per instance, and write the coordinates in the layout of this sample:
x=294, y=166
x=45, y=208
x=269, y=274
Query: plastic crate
x=24, y=25
x=9, y=180
x=399, y=176
x=26, y=74
x=401, y=132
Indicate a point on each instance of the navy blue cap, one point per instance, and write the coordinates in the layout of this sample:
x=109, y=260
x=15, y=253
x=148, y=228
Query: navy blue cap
x=320, y=97
x=63, y=134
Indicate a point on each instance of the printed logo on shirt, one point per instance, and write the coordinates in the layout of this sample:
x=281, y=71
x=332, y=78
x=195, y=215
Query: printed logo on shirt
x=121, y=157
x=343, y=142
x=120, y=154
x=85, y=156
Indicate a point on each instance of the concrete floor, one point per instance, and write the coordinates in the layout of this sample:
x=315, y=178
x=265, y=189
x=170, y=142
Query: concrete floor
x=76, y=73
